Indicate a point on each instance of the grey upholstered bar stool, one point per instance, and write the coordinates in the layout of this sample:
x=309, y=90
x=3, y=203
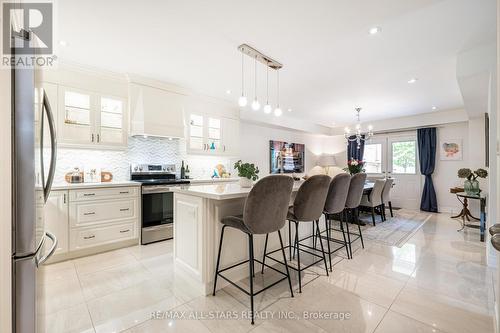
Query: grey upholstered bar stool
x=386, y=195
x=307, y=207
x=265, y=212
x=334, y=205
x=356, y=189
x=374, y=199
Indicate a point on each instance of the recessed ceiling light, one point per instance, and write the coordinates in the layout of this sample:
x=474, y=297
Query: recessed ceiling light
x=289, y=110
x=374, y=30
x=412, y=80
x=228, y=91
x=63, y=43
x=434, y=108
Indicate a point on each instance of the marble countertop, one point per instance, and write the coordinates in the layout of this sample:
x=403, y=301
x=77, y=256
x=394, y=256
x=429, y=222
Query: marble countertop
x=67, y=186
x=213, y=180
x=222, y=191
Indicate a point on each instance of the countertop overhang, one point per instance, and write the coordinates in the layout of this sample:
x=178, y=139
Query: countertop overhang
x=222, y=191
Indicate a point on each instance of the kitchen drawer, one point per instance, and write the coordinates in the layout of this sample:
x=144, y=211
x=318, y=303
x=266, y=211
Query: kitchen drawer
x=81, y=238
x=103, y=193
x=102, y=212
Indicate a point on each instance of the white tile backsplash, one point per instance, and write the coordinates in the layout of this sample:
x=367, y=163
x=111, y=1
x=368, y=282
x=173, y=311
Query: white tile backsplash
x=140, y=150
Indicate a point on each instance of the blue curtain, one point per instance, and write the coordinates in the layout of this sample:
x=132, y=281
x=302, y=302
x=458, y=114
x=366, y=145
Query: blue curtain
x=352, y=149
x=426, y=138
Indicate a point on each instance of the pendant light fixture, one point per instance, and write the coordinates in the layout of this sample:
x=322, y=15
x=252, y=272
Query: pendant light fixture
x=359, y=134
x=270, y=63
x=242, y=101
x=278, y=112
x=255, y=103
x=267, y=108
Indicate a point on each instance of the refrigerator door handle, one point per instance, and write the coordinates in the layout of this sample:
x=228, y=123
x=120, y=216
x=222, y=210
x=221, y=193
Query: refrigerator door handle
x=43, y=259
x=53, y=147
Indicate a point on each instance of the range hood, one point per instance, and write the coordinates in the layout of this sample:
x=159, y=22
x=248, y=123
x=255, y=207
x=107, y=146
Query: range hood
x=155, y=112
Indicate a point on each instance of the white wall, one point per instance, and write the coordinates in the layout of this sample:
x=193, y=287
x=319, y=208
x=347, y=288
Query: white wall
x=445, y=173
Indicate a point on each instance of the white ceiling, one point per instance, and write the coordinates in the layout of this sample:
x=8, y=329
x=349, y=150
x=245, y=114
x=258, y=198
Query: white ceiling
x=331, y=63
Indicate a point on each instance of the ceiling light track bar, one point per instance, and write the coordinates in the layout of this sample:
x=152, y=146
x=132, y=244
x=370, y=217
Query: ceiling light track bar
x=259, y=56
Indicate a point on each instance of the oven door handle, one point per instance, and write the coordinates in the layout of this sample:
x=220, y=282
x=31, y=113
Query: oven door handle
x=156, y=190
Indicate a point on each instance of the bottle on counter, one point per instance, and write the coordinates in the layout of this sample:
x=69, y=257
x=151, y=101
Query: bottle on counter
x=183, y=171
x=186, y=173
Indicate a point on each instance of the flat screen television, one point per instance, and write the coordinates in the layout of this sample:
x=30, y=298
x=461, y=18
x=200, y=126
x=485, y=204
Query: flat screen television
x=286, y=157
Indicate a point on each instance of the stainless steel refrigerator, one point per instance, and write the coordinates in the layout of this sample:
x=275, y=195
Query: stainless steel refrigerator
x=33, y=165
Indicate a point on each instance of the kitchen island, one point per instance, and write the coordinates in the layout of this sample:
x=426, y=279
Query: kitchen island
x=198, y=210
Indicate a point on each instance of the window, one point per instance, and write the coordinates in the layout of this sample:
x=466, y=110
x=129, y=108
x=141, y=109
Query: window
x=76, y=108
x=373, y=158
x=403, y=157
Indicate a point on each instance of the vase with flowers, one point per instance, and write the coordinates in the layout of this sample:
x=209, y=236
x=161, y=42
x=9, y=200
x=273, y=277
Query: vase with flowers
x=471, y=184
x=355, y=166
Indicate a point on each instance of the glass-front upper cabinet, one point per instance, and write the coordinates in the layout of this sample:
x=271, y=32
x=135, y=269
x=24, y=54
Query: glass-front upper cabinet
x=76, y=119
x=196, y=132
x=89, y=119
x=214, y=134
x=111, y=123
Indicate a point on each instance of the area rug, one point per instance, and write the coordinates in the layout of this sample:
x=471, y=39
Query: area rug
x=396, y=230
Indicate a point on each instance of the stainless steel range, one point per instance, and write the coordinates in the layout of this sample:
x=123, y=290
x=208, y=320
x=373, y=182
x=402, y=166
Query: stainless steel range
x=157, y=199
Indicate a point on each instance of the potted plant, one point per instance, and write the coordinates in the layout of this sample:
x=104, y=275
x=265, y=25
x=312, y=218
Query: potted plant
x=471, y=184
x=355, y=166
x=247, y=172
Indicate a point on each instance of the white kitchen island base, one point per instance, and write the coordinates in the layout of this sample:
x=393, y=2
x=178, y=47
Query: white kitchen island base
x=197, y=214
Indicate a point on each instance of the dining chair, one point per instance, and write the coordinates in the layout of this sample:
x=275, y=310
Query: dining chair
x=374, y=199
x=386, y=196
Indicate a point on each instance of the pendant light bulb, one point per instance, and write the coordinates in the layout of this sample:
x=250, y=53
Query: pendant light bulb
x=278, y=112
x=242, y=101
x=255, y=105
x=267, y=108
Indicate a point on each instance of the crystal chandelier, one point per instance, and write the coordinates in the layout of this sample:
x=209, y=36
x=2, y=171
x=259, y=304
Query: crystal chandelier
x=359, y=135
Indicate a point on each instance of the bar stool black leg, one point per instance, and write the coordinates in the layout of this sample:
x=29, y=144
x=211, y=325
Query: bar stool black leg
x=290, y=238
x=314, y=237
x=355, y=213
x=390, y=208
x=264, y=256
x=328, y=241
x=250, y=268
x=298, y=254
x=373, y=215
x=218, y=259
x=322, y=249
x=348, y=235
x=286, y=264
x=343, y=235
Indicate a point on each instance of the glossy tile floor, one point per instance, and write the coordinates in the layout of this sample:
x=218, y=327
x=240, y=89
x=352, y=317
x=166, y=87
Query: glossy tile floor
x=436, y=282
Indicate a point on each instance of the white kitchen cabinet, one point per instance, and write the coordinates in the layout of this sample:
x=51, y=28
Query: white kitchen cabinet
x=212, y=135
x=100, y=216
x=56, y=219
x=155, y=111
x=88, y=119
x=231, y=136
